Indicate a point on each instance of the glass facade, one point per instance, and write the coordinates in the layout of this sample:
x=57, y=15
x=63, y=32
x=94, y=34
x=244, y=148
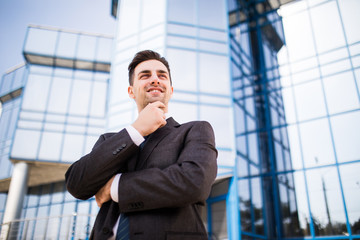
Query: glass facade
x=320, y=86
x=64, y=102
x=53, y=110
x=278, y=80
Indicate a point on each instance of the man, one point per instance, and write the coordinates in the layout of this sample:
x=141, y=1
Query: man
x=156, y=186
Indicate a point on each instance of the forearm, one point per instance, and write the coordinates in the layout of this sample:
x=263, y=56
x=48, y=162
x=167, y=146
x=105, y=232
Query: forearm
x=172, y=187
x=109, y=156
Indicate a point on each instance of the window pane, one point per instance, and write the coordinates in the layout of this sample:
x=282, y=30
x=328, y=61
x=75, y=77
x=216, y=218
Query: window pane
x=288, y=206
x=341, y=93
x=128, y=22
x=212, y=13
x=317, y=148
x=302, y=203
x=50, y=146
x=86, y=47
x=327, y=26
x=218, y=218
x=222, y=126
x=293, y=25
x=98, y=99
x=213, y=70
x=104, y=49
x=36, y=92
x=350, y=179
x=80, y=97
x=41, y=41
x=54, y=222
x=73, y=147
x=326, y=204
x=245, y=205
x=26, y=144
x=184, y=112
x=59, y=95
x=346, y=130
x=257, y=204
x=148, y=9
x=184, y=12
x=350, y=17
x=309, y=100
x=67, y=45
x=183, y=70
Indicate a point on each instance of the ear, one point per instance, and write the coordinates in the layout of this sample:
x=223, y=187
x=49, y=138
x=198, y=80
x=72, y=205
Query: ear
x=172, y=91
x=131, y=92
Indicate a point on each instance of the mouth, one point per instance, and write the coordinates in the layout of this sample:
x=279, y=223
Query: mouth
x=155, y=90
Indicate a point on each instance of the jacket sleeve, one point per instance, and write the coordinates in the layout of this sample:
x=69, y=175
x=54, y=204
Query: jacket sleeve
x=185, y=182
x=109, y=156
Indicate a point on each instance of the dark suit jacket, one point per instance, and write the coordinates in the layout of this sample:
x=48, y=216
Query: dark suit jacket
x=162, y=186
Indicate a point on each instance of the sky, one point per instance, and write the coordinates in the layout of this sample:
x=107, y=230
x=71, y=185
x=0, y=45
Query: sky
x=15, y=15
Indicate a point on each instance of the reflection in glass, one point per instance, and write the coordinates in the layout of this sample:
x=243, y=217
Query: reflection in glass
x=302, y=203
x=350, y=180
x=327, y=209
x=219, y=223
x=288, y=206
x=257, y=205
x=245, y=205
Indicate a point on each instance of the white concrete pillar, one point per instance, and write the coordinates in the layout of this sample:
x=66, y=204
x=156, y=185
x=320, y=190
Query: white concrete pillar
x=16, y=194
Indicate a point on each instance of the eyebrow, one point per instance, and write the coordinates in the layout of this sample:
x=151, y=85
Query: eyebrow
x=158, y=71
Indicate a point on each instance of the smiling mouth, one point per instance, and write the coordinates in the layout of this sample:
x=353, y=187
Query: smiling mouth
x=154, y=90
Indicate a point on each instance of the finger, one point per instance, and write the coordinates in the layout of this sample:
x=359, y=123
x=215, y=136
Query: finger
x=158, y=104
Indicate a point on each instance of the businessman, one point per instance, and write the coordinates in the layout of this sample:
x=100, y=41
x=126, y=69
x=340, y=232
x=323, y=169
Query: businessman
x=151, y=178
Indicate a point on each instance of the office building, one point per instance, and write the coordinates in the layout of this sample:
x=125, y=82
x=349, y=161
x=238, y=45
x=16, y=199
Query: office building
x=277, y=79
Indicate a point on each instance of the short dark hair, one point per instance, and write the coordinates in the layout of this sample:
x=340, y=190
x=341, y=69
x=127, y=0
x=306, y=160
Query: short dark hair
x=143, y=56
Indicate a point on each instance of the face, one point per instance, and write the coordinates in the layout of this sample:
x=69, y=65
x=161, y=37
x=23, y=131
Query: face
x=151, y=83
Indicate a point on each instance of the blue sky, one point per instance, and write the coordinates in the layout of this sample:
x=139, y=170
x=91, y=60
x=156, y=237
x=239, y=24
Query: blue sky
x=16, y=15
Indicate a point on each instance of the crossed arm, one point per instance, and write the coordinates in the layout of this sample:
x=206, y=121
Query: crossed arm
x=184, y=182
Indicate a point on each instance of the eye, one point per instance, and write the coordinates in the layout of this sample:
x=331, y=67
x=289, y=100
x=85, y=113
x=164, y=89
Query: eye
x=144, y=76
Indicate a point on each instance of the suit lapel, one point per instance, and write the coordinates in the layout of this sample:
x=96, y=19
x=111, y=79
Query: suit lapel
x=153, y=140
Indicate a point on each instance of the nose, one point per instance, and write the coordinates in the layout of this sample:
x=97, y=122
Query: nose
x=155, y=80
